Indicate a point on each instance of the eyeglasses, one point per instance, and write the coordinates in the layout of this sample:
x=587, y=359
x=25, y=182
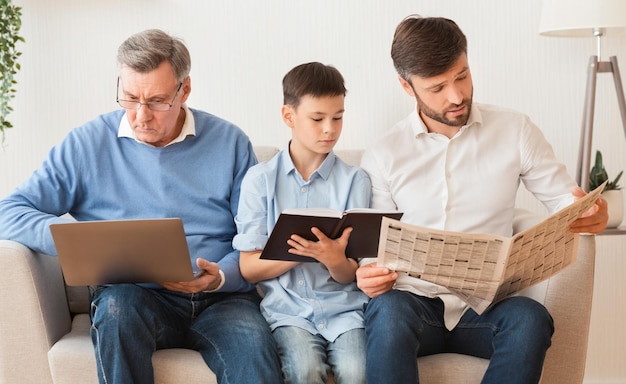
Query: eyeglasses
x=152, y=105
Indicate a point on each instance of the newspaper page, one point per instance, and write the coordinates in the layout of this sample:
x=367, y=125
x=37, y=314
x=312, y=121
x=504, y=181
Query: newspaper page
x=480, y=268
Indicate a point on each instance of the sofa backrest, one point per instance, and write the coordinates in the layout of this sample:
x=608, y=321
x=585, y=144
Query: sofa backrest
x=350, y=156
x=265, y=152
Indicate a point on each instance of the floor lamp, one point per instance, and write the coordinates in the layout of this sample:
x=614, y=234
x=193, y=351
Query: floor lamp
x=588, y=18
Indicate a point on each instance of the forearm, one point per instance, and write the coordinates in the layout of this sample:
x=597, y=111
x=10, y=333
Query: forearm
x=344, y=271
x=255, y=269
x=235, y=282
x=27, y=225
x=26, y=214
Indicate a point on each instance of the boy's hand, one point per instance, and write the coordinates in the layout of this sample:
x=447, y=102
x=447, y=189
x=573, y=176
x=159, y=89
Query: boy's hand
x=331, y=253
x=326, y=250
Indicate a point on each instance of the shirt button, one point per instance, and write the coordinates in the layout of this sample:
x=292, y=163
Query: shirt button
x=320, y=326
x=303, y=189
x=300, y=282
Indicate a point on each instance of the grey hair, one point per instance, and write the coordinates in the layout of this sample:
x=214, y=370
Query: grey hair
x=144, y=51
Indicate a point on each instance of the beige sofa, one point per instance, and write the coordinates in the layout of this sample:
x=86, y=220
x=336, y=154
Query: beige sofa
x=44, y=325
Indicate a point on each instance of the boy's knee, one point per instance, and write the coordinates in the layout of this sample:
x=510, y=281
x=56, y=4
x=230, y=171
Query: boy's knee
x=305, y=372
x=350, y=372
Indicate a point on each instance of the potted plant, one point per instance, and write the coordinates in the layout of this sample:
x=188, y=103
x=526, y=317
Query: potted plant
x=612, y=192
x=10, y=24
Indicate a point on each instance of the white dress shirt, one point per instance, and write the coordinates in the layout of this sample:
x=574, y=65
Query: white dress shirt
x=467, y=183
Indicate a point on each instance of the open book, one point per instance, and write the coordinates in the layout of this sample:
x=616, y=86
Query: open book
x=482, y=269
x=363, y=242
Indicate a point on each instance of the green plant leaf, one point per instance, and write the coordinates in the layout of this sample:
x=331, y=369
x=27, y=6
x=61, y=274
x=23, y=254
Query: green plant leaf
x=598, y=175
x=10, y=24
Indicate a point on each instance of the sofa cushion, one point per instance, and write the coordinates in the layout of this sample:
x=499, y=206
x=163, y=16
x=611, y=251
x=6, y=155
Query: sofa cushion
x=72, y=360
x=451, y=368
x=78, y=298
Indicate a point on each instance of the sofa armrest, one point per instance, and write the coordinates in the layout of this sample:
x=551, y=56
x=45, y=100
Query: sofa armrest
x=33, y=313
x=567, y=296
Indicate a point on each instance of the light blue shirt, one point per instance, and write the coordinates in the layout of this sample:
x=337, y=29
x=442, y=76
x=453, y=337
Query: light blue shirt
x=95, y=175
x=305, y=296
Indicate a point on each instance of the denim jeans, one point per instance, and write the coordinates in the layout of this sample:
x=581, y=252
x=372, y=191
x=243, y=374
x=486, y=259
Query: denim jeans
x=307, y=358
x=400, y=326
x=130, y=322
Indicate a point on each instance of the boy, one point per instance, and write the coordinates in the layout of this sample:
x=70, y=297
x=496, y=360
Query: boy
x=314, y=309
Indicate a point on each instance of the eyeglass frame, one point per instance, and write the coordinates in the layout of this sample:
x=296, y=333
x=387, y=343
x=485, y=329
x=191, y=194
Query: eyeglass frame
x=148, y=104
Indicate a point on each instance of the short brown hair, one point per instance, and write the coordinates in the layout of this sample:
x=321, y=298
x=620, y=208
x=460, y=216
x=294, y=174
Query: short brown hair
x=426, y=46
x=315, y=79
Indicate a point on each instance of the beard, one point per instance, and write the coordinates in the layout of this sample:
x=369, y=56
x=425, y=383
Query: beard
x=440, y=116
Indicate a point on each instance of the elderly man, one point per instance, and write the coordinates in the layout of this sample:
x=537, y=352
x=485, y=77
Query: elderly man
x=156, y=157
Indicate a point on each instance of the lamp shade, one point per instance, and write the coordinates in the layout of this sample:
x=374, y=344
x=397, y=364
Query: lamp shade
x=578, y=18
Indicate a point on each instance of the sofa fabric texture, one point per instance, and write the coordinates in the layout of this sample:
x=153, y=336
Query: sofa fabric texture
x=44, y=325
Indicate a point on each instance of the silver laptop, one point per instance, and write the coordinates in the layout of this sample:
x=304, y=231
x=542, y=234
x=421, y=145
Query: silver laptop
x=123, y=251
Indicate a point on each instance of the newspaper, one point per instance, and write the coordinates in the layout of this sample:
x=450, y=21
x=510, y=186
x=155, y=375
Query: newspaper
x=482, y=269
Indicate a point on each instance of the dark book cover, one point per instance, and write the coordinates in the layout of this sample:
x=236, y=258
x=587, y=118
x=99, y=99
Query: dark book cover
x=363, y=240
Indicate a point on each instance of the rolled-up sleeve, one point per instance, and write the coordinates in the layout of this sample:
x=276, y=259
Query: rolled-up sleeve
x=251, y=219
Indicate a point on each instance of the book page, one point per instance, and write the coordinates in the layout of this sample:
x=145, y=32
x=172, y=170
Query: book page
x=480, y=268
x=329, y=212
x=316, y=212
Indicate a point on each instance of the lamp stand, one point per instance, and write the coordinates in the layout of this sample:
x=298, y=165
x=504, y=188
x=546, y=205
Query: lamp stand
x=586, y=134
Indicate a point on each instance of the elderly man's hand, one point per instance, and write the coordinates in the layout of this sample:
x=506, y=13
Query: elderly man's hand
x=208, y=280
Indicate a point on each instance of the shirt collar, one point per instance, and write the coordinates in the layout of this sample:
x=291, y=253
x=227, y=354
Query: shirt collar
x=323, y=170
x=475, y=117
x=189, y=128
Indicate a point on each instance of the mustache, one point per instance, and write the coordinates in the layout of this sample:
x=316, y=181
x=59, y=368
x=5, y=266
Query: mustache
x=464, y=102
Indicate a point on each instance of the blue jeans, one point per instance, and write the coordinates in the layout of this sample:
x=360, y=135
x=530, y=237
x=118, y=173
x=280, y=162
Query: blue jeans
x=130, y=322
x=307, y=358
x=400, y=326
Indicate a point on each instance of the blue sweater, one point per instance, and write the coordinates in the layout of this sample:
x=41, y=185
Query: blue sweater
x=95, y=175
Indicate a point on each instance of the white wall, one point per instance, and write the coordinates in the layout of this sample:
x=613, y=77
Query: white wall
x=242, y=48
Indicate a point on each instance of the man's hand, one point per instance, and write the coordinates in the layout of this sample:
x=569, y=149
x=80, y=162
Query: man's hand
x=375, y=280
x=595, y=219
x=208, y=280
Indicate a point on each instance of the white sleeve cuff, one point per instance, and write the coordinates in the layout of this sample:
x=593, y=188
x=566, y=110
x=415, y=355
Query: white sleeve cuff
x=219, y=286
